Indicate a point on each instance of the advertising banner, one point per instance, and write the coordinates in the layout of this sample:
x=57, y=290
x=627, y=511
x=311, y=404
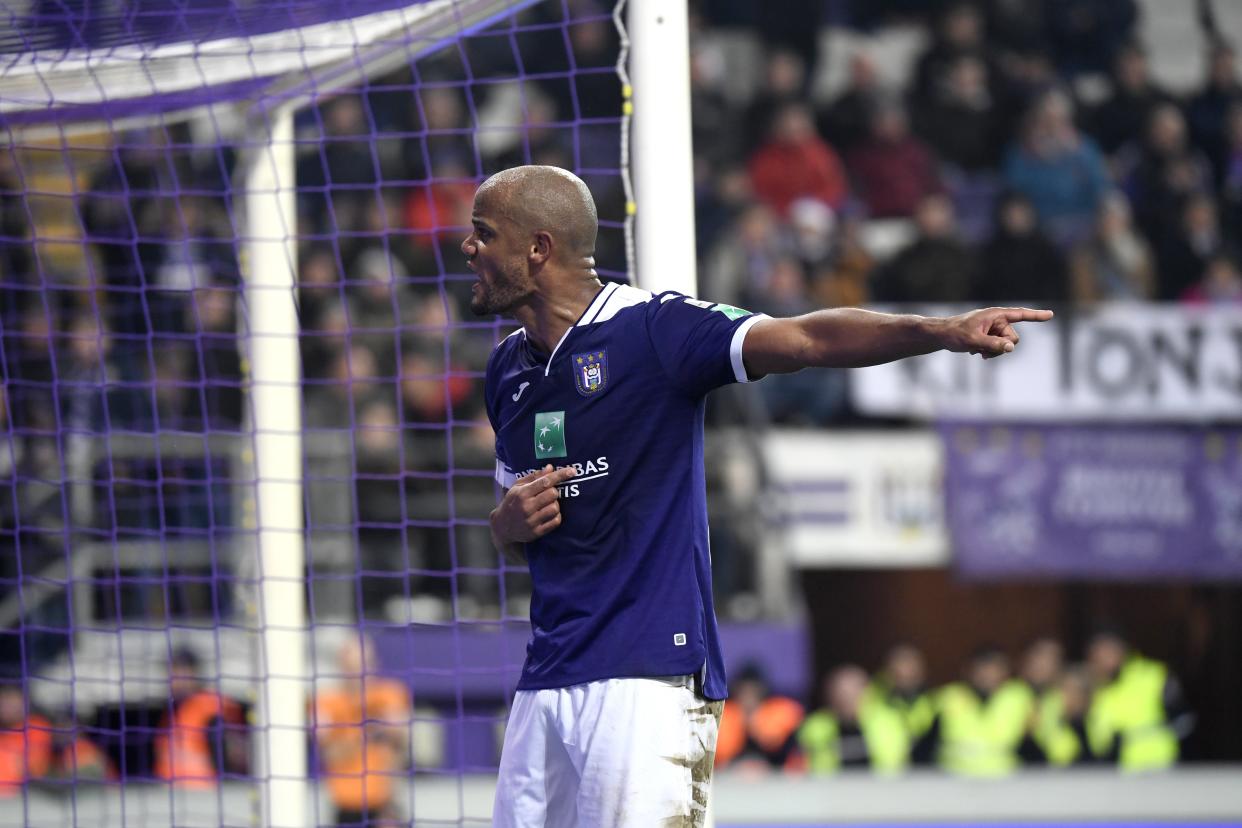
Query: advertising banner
x=1093, y=501
x=1122, y=362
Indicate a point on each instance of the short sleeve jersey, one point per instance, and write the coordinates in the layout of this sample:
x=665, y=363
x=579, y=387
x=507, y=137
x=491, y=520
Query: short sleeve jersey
x=622, y=588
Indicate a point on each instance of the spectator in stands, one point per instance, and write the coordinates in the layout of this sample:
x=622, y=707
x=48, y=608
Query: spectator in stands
x=76, y=756
x=1138, y=710
x=362, y=730
x=25, y=741
x=958, y=116
x=901, y=686
x=1019, y=263
x=1126, y=112
x=319, y=285
x=784, y=83
x=758, y=730
x=1182, y=256
x=1042, y=668
x=380, y=460
x=1221, y=283
x=216, y=370
x=795, y=398
x=713, y=119
x=92, y=400
x=846, y=121
x=204, y=735
x=892, y=170
x=982, y=725
x=1230, y=171
x=341, y=156
x=352, y=382
x=936, y=267
x=191, y=247
x=741, y=260
x=1084, y=34
x=796, y=163
x=1061, y=171
x=1208, y=112
x=848, y=732
x=1061, y=726
x=1042, y=665
x=958, y=33
x=841, y=281
x=378, y=301
x=1116, y=262
x=1164, y=171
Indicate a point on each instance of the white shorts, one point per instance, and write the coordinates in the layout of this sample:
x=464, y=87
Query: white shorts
x=618, y=753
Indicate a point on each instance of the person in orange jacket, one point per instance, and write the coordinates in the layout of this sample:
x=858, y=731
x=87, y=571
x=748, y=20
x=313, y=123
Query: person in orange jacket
x=758, y=729
x=362, y=727
x=203, y=735
x=25, y=742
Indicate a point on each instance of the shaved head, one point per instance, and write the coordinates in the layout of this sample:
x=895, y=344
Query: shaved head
x=548, y=199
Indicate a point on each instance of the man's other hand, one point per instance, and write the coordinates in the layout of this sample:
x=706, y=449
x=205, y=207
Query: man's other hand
x=531, y=508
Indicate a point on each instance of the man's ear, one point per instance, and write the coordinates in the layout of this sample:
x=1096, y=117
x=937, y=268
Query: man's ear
x=540, y=247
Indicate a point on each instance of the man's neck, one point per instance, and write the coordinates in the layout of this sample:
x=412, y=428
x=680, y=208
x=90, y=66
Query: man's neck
x=546, y=318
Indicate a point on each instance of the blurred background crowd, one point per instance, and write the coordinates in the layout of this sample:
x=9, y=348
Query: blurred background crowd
x=1117, y=708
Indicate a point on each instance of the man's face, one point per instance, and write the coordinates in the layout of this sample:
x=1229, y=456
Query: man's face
x=496, y=252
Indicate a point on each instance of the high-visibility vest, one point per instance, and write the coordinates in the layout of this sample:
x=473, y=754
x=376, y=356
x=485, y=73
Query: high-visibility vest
x=183, y=747
x=362, y=774
x=25, y=754
x=1054, y=735
x=917, y=714
x=888, y=743
x=981, y=737
x=770, y=727
x=1132, y=707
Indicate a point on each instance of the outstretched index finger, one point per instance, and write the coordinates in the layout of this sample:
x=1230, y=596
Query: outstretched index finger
x=1026, y=315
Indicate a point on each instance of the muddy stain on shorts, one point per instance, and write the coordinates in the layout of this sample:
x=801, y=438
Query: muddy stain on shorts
x=700, y=769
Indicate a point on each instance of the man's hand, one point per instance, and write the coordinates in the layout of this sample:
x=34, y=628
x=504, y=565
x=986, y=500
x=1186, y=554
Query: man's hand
x=531, y=509
x=988, y=332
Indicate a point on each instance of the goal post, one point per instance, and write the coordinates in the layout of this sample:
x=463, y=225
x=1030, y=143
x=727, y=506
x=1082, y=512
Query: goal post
x=267, y=172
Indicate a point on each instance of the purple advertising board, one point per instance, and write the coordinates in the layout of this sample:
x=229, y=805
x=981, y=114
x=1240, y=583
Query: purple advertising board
x=1094, y=501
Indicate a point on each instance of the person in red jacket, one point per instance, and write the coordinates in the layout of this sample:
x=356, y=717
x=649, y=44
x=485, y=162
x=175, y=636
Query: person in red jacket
x=25, y=742
x=892, y=170
x=796, y=163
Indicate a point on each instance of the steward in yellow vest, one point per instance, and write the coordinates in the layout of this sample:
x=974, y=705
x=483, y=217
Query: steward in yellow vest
x=902, y=689
x=982, y=726
x=1137, y=710
x=1061, y=722
x=851, y=732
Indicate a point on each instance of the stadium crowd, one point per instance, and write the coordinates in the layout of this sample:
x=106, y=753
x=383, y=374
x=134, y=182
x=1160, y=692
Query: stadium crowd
x=1116, y=708
x=1027, y=155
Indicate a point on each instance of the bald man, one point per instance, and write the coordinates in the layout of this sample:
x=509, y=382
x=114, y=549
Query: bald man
x=597, y=404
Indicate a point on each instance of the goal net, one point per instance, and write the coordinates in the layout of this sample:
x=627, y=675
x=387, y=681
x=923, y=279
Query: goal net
x=245, y=469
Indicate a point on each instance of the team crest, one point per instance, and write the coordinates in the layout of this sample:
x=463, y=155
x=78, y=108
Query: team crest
x=591, y=372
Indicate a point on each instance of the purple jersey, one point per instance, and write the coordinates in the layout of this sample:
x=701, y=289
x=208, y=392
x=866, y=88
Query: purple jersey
x=622, y=588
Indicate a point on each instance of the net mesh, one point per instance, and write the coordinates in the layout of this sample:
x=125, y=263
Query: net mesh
x=130, y=659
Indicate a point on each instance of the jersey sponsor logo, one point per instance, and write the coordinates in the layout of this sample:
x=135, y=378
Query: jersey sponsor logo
x=550, y=435
x=521, y=388
x=731, y=311
x=591, y=372
x=587, y=471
